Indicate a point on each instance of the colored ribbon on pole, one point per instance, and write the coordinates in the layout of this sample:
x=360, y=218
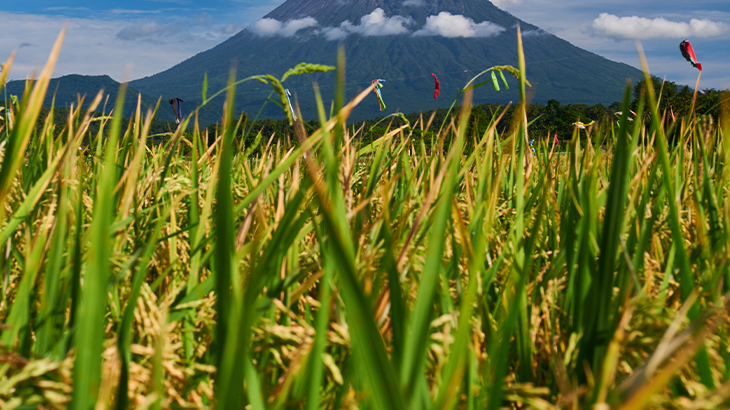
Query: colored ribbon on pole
x=437, y=86
x=288, y=94
x=175, y=102
x=377, y=86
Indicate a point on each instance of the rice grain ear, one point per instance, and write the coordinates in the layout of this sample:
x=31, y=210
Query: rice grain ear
x=23, y=129
x=5, y=70
x=124, y=340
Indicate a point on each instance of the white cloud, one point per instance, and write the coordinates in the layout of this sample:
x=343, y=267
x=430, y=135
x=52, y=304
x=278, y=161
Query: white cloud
x=373, y=24
x=66, y=8
x=447, y=25
x=131, y=11
x=444, y=24
x=94, y=47
x=534, y=33
x=151, y=30
x=414, y=3
x=634, y=27
x=504, y=3
x=376, y=24
x=292, y=26
x=335, y=33
x=232, y=28
x=268, y=27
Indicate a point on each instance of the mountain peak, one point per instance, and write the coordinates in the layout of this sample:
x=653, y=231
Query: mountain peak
x=401, y=41
x=335, y=12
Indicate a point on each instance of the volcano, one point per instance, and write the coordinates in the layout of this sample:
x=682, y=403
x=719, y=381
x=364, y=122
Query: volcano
x=400, y=41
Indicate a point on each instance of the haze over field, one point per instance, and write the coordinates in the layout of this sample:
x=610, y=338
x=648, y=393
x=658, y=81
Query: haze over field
x=153, y=35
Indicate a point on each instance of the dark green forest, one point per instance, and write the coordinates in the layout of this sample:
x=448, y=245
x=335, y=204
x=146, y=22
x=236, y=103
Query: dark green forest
x=547, y=120
x=551, y=119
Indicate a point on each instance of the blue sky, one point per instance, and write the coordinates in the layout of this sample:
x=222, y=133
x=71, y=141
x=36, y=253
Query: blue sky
x=137, y=38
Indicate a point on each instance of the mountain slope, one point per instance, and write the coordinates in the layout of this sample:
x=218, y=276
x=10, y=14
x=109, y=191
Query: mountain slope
x=557, y=69
x=68, y=88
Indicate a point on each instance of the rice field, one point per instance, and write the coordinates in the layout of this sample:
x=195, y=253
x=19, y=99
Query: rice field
x=429, y=268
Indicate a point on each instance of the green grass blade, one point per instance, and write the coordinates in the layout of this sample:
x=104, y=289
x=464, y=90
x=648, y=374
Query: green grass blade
x=417, y=341
x=228, y=388
x=90, y=337
x=599, y=318
x=681, y=258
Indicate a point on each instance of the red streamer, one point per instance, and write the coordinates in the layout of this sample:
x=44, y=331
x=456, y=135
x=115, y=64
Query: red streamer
x=437, y=88
x=689, y=54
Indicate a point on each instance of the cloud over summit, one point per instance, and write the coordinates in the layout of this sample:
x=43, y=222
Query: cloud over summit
x=373, y=24
x=414, y=3
x=268, y=27
x=377, y=23
x=504, y=3
x=448, y=25
x=634, y=27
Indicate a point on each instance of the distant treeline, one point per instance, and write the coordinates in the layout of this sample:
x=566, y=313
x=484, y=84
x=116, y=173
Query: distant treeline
x=547, y=120
x=60, y=115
